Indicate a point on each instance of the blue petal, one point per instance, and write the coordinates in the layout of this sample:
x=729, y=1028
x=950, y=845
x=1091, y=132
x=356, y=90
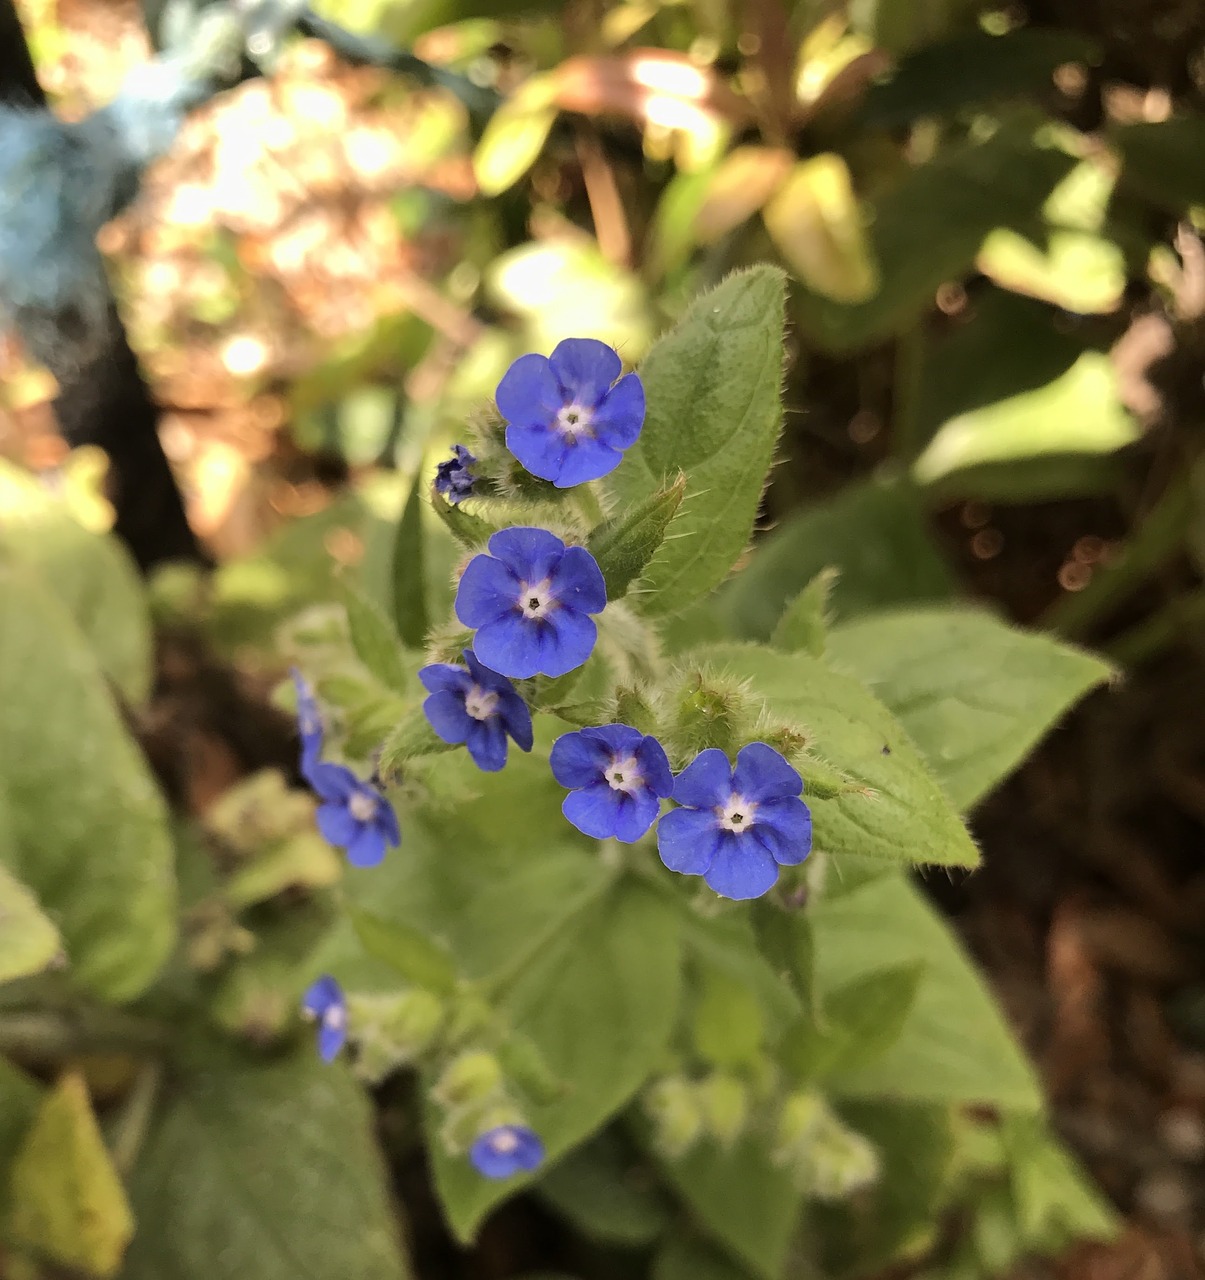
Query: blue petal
x=447, y=716
x=706, y=782
x=332, y=782
x=309, y=721
x=742, y=868
x=654, y=765
x=387, y=824
x=483, y=676
x=585, y=368
x=762, y=773
x=487, y=744
x=618, y=739
x=785, y=828
x=566, y=642
x=487, y=590
x=585, y=459
x=528, y=393
x=322, y=994
x=593, y=810
x=578, y=759
x=510, y=645
x=687, y=840
x=330, y=1040
x=367, y=847
x=540, y=449
x=444, y=675
x=636, y=813
x=516, y=718
x=530, y=553
x=523, y=1152
x=577, y=582
x=620, y=417
x=336, y=825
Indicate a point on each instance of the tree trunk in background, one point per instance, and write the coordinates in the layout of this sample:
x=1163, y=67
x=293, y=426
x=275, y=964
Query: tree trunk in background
x=105, y=401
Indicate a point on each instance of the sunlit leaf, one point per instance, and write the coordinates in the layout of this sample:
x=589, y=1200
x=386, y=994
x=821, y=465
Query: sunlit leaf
x=515, y=135
x=745, y=179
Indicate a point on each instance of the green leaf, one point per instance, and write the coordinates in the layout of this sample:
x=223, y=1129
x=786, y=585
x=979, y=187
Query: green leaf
x=974, y=694
x=873, y=533
x=20, y=1095
x=804, y=622
x=712, y=387
x=68, y=1204
x=515, y=135
x=1079, y=413
x=687, y=1257
x=415, y=957
x=87, y=828
x=90, y=573
x=746, y=1203
x=1079, y=271
x=898, y=1216
x=727, y=1022
x=1162, y=161
x=954, y=1046
x=599, y=1004
x=928, y=228
x=728, y=945
x=28, y=940
x=469, y=530
x=900, y=25
x=409, y=573
x=373, y=637
x=860, y=1023
x=605, y=1194
x=901, y=814
x=283, y=1179
x=624, y=545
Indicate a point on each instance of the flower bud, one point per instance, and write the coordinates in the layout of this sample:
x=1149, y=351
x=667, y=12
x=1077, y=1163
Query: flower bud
x=829, y=1160
x=473, y=1077
x=632, y=707
x=708, y=712
x=673, y=1106
x=725, y=1104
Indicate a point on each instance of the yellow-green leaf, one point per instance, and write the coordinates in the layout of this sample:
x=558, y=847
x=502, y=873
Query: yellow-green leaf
x=28, y=940
x=515, y=136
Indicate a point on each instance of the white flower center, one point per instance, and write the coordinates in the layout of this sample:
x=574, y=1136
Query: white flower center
x=362, y=806
x=575, y=422
x=624, y=775
x=480, y=703
x=334, y=1017
x=536, y=601
x=504, y=1141
x=737, y=814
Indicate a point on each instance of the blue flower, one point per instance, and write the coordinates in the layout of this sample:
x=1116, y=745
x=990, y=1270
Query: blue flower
x=453, y=478
x=353, y=815
x=530, y=600
x=619, y=777
x=477, y=707
x=566, y=422
x=325, y=1001
x=738, y=825
x=309, y=723
x=506, y=1150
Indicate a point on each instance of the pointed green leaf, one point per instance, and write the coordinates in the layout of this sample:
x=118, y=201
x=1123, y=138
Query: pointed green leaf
x=408, y=950
x=689, y=1257
x=624, y=545
x=409, y=573
x=68, y=1204
x=712, y=386
x=975, y=694
x=468, y=530
x=373, y=637
x=284, y=1181
x=899, y=813
x=515, y=135
x=804, y=622
x=28, y=940
x=87, y=828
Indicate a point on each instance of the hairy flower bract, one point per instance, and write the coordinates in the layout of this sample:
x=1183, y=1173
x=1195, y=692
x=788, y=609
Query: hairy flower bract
x=618, y=777
x=478, y=707
x=736, y=826
x=568, y=419
x=530, y=600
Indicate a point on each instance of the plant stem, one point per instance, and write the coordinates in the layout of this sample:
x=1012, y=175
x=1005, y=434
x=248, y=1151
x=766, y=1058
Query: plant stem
x=1177, y=619
x=910, y=353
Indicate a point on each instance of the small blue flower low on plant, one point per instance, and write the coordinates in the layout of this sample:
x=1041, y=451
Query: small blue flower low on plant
x=736, y=826
x=325, y=1002
x=353, y=815
x=478, y=707
x=618, y=777
x=454, y=478
x=530, y=600
x=508, y=1149
x=309, y=723
x=568, y=420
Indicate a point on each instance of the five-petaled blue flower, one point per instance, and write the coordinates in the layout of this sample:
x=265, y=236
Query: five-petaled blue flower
x=619, y=777
x=477, y=707
x=566, y=422
x=324, y=1001
x=738, y=825
x=530, y=601
x=353, y=815
x=454, y=478
x=309, y=723
x=506, y=1150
